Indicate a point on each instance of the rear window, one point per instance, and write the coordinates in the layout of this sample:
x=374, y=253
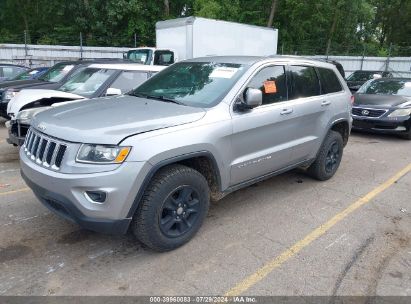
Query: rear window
x=304, y=82
x=329, y=81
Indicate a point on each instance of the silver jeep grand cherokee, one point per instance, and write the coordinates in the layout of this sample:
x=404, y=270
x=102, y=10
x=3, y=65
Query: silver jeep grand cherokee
x=151, y=161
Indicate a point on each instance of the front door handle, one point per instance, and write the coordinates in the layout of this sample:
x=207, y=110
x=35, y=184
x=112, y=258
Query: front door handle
x=286, y=111
x=325, y=103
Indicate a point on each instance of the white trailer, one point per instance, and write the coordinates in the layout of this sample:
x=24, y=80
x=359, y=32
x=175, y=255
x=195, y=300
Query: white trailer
x=186, y=38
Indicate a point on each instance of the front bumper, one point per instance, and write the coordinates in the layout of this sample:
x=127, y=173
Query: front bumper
x=64, y=194
x=3, y=109
x=17, y=132
x=384, y=125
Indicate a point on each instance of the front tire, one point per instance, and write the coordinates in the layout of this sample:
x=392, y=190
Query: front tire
x=172, y=209
x=329, y=157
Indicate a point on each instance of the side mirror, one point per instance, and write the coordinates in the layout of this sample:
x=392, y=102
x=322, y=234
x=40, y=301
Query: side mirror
x=113, y=92
x=253, y=98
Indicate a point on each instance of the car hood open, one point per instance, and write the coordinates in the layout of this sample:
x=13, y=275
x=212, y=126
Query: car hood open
x=108, y=120
x=28, y=96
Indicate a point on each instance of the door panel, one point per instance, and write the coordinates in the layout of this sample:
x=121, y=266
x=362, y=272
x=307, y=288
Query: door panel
x=261, y=142
x=260, y=136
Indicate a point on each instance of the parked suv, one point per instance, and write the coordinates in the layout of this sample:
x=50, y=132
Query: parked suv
x=152, y=160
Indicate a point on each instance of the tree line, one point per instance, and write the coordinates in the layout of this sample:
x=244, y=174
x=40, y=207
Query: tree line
x=344, y=27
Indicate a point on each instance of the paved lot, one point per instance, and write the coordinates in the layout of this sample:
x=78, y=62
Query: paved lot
x=242, y=248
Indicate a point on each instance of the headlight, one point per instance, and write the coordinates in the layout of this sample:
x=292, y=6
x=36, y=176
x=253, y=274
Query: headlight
x=9, y=94
x=400, y=112
x=102, y=154
x=25, y=116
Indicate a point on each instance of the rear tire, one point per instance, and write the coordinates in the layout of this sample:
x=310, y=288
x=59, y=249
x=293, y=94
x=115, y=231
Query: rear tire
x=328, y=158
x=172, y=208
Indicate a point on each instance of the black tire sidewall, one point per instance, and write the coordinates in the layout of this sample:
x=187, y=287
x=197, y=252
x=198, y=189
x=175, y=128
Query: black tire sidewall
x=317, y=169
x=152, y=206
x=331, y=139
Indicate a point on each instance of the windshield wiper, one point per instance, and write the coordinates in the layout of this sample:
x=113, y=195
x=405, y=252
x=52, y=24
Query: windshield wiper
x=158, y=97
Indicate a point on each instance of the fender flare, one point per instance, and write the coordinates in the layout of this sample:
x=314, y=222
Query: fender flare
x=170, y=161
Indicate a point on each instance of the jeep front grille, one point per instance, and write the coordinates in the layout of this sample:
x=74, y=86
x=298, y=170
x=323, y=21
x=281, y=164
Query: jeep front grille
x=45, y=151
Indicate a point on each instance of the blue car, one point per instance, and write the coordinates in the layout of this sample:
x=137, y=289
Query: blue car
x=32, y=73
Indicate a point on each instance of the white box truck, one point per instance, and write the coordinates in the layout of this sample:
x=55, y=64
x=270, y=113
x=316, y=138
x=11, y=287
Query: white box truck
x=186, y=38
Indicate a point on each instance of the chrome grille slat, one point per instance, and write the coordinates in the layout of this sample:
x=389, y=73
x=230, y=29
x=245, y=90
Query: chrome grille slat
x=44, y=150
x=30, y=141
x=45, y=153
x=53, y=158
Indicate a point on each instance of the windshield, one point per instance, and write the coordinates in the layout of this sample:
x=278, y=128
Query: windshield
x=387, y=87
x=57, y=72
x=87, y=81
x=198, y=84
x=30, y=74
x=140, y=56
x=362, y=75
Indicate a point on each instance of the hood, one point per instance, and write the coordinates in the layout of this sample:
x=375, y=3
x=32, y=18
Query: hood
x=355, y=85
x=28, y=96
x=16, y=83
x=108, y=120
x=380, y=101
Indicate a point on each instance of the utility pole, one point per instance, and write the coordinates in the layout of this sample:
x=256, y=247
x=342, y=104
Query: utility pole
x=135, y=40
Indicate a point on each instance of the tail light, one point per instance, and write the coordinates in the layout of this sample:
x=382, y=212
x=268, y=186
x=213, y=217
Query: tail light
x=352, y=99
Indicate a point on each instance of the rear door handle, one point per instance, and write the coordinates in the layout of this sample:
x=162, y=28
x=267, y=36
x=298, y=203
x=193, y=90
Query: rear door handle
x=325, y=103
x=286, y=111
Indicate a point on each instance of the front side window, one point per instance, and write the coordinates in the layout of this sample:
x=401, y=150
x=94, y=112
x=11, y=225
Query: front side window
x=329, y=81
x=87, y=81
x=57, y=72
x=129, y=80
x=196, y=84
x=387, y=87
x=272, y=82
x=304, y=82
x=140, y=56
x=163, y=58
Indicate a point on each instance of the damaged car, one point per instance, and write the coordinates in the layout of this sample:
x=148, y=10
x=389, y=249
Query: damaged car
x=96, y=80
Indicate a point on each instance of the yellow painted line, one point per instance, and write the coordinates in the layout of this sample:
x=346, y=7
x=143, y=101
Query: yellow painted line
x=312, y=236
x=14, y=191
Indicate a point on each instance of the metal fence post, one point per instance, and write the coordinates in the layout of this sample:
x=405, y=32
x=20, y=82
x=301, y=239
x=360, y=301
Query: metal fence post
x=387, y=64
x=81, y=45
x=362, y=58
x=135, y=40
x=25, y=45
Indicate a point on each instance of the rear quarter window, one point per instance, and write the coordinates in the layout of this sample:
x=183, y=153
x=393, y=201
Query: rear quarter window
x=329, y=81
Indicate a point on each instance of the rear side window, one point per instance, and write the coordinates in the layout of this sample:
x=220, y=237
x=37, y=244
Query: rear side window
x=272, y=82
x=129, y=80
x=304, y=82
x=329, y=81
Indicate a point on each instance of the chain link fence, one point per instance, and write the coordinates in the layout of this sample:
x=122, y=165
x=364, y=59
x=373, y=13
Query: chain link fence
x=63, y=46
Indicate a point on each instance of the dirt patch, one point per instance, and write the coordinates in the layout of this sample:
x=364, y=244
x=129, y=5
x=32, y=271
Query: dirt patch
x=75, y=237
x=14, y=252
